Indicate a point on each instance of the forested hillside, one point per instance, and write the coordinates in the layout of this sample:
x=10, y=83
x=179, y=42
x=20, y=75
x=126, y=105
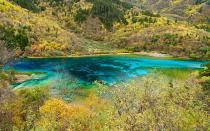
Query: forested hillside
x=69, y=27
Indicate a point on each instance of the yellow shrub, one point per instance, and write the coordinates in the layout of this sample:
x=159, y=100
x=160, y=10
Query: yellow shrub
x=56, y=114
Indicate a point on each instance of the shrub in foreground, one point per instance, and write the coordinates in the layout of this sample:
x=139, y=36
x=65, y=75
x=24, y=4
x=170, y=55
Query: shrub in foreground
x=152, y=103
x=156, y=103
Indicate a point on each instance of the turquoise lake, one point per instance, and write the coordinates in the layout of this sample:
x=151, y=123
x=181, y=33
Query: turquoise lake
x=108, y=69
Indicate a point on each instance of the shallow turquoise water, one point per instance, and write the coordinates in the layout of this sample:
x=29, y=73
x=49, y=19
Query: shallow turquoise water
x=109, y=69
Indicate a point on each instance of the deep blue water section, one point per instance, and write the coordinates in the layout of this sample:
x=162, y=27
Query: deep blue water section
x=109, y=69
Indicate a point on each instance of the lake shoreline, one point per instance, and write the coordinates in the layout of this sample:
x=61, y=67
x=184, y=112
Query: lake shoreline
x=139, y=54
x=149, y=54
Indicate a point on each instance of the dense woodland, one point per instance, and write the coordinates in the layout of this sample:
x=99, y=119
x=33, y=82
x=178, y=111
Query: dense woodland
x=49, y=28
x=73, y=27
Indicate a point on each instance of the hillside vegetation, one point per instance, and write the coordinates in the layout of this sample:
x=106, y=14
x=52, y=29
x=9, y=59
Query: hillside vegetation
x=73, y=27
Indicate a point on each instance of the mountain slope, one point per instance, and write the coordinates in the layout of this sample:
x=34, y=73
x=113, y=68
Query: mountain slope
x=96, y=26
x=45, y=33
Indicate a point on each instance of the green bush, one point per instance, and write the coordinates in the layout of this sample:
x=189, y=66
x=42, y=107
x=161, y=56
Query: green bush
x=171, y=39
x=28, y=4
x=206, y=71
x=108, y=12
x=143, y=20
x=155, y=38
x=14, y=38
x=34, y=96
x=204, y=27
x=81, y=15
x=199, y=1
x=149, y=13
x=8, y=75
